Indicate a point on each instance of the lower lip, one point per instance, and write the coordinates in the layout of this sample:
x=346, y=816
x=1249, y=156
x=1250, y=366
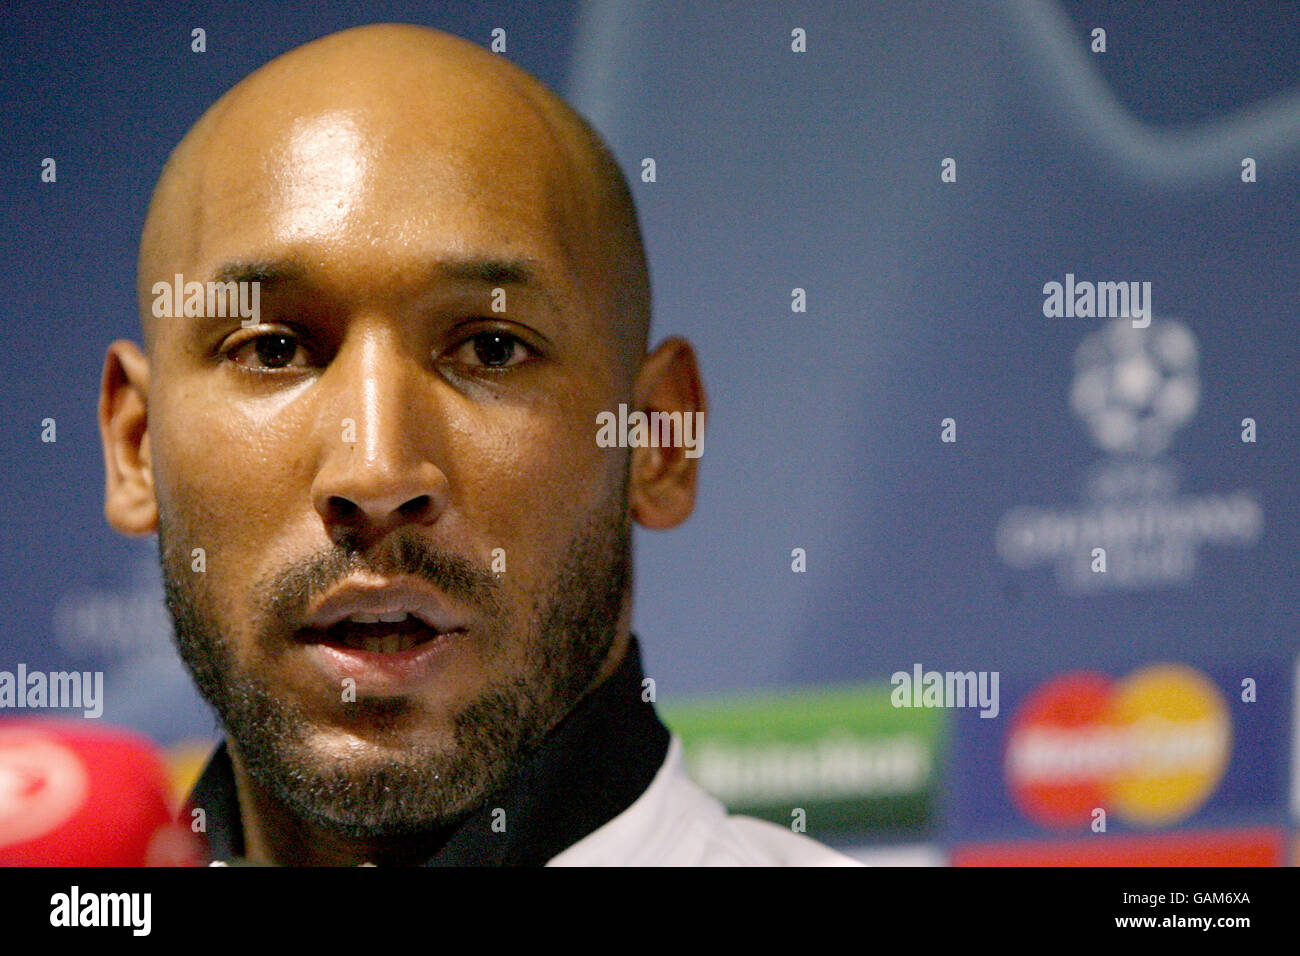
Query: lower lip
x=385, y=673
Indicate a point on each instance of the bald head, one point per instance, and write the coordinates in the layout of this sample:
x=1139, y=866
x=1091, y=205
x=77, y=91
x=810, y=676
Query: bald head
x=373, y=135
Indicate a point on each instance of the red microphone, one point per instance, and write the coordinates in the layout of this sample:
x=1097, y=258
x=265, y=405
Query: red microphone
x=73, y=794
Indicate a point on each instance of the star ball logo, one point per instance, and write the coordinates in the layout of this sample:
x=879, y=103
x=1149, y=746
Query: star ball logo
x=1134, y=388
x=1149, y=749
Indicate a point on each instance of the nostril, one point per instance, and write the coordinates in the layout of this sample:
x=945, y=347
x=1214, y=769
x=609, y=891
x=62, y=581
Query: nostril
x=414, y=507
x=344, y=509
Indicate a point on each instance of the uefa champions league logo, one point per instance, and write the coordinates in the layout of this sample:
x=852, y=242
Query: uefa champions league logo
x=1134, y=388
x=1132, y=528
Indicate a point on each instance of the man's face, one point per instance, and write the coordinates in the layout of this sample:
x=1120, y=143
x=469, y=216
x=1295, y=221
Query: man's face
x=384, y=442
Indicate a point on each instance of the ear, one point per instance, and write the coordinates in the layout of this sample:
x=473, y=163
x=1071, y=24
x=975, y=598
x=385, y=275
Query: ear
x=129, y=502
x=662, y=493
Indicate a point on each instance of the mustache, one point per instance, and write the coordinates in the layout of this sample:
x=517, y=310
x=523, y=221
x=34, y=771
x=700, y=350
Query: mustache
x=288, y=595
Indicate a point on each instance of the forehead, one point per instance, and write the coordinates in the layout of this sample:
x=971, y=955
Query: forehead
x=377, y=177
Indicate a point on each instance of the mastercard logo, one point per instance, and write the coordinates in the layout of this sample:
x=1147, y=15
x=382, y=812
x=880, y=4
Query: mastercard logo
x=1149, y=749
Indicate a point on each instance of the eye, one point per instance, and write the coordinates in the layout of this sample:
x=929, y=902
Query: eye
x=268, y=350
x=492, y=350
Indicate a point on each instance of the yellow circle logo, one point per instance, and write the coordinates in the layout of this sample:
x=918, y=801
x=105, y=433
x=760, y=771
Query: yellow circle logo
x=1175, y=727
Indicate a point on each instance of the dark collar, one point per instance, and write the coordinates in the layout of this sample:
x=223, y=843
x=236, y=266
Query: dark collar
x=588, y=770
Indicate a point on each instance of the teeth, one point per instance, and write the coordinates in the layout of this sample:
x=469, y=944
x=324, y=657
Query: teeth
x=383, y=643
x=390, y=617
x=390, y=632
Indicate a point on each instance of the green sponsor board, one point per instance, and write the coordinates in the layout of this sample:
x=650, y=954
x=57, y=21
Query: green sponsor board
x=846, y=756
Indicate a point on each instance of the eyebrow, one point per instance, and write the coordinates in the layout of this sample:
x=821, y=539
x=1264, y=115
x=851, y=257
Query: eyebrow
x=262, y=271
x=489, y=271
x=493, y=272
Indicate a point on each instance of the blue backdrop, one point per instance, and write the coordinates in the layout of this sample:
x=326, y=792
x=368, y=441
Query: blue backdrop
x=775, y=171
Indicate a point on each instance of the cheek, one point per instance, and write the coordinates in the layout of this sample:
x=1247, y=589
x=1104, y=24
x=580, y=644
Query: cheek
x=530, y=478
x=220, y=474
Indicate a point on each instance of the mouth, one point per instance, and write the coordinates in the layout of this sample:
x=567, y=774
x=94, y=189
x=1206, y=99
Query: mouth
x=389, y=636
x=394, y=633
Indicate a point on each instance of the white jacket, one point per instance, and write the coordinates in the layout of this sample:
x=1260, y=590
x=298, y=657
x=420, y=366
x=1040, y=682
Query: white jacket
x=676, y=823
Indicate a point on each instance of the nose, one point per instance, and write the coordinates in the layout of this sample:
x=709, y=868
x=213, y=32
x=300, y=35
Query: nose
x=377, y=471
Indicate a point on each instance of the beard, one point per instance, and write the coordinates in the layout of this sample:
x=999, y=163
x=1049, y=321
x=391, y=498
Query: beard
x=565, y=635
